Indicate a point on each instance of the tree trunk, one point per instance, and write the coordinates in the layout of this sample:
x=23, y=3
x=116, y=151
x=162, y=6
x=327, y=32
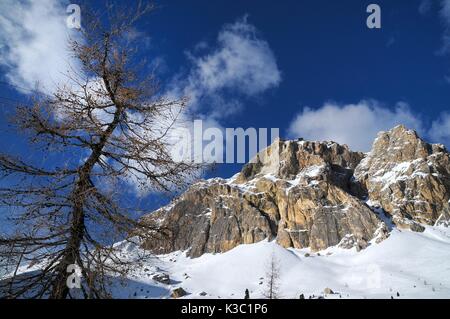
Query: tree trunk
x=72, y=251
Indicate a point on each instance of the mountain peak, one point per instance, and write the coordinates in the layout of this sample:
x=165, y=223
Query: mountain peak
x=286, y=158
x=313, y=194
x=407, y=176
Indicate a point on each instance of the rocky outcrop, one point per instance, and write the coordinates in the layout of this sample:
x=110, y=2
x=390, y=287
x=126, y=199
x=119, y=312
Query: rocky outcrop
x=162, y=278
x=408, y=178
x=178, y=293
x=296, y=191
x=311, y=194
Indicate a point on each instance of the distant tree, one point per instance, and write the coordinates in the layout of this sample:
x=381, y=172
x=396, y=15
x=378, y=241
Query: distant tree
x=247, y=294
x=109, y=123
x=272, y=277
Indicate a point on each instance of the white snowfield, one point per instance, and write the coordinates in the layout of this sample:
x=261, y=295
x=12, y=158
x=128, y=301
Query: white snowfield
x=406, y=265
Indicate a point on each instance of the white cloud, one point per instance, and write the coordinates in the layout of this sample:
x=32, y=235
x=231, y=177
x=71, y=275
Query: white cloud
x=34, y=50
x=33, y=43
x=353, y=124
x=221, y=76
x=241, y=63
x=440, y=129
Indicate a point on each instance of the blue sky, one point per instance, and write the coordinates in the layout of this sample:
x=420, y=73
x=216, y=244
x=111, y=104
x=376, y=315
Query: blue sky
x=325, y=54
x=311, y=68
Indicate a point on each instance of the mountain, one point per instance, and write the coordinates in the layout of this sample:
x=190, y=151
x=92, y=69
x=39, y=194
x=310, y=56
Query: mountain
x=336, y=223
x=408, y=178
x=312, y=195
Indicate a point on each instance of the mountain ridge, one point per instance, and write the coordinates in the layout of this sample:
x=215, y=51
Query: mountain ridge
x=312, y=194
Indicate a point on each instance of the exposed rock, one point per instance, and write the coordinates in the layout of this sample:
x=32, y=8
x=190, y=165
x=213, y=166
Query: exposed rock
x=443, y=220
x=304, y=201
x=209, y=218
x=162, y=278
x=381, y=233
x=311, y=194
x=178, y=293
x=403, y=222
x=408, y=177
x=328, y=291
x=350, y=241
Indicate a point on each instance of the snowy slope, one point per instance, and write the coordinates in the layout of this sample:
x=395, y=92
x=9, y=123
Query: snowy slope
x=416, y=265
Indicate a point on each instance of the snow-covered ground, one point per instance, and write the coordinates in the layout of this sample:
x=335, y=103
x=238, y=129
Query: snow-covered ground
x=414, y=265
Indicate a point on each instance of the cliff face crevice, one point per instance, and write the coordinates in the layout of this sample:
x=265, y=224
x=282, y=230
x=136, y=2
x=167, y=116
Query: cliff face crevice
x=312, y=194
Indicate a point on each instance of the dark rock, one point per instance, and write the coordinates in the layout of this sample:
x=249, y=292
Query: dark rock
x=162, y=278
x=178, y=293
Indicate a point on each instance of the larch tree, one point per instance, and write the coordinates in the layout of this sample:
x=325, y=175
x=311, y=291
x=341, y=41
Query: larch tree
x=108, y=124
x=273, y=277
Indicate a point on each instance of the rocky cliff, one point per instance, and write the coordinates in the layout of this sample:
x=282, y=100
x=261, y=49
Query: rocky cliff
x=408, y=178
x=312, y=194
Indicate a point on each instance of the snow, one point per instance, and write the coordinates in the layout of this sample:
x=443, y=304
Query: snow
x=271, y=178
x=417, y=265
x=308, y=174
x=245, y=188
x=389, y=177
x=400, y=172
x=312, y=171
x=376, y=208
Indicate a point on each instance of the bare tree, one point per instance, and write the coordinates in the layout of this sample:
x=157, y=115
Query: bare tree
x=272, y=277
x=107, y=124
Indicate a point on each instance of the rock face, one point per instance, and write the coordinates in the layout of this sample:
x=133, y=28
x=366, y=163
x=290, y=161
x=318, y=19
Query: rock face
x=408, y=178
x=311, y=194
